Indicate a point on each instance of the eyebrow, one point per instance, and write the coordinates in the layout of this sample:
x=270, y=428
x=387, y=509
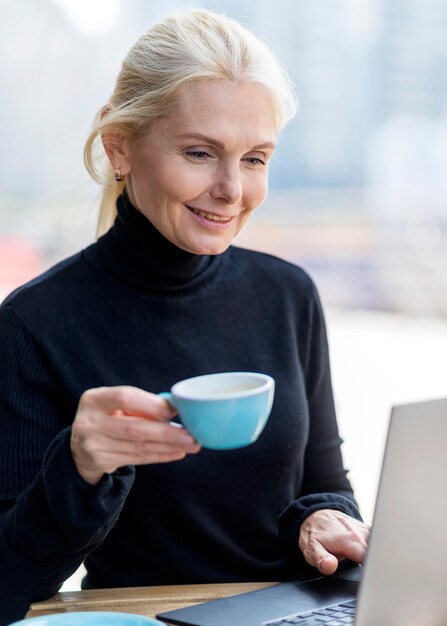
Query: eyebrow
x=219, y=144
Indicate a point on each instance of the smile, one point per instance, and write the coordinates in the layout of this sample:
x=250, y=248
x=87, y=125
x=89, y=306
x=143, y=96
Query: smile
x=211, y=216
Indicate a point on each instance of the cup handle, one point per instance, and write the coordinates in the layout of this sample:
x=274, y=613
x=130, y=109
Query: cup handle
x=167, y=395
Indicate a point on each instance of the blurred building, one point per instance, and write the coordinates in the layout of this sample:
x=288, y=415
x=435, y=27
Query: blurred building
x=327, y=47
x=407, y=149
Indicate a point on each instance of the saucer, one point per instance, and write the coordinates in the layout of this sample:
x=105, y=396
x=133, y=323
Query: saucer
x=90, y=618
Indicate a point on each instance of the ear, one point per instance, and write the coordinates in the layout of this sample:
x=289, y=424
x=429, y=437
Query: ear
x=117, y=149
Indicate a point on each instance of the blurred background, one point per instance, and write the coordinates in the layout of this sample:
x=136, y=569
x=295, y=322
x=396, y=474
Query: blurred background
x=358, y=192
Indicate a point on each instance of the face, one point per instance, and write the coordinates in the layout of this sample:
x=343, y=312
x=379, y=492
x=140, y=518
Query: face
x=200, y=172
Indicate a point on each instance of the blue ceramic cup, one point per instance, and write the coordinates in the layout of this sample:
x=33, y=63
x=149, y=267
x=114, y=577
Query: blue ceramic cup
x=90, y=618
x=224, y=411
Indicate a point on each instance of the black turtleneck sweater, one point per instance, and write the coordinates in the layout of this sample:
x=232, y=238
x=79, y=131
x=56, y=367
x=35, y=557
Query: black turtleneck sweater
x=133, y=309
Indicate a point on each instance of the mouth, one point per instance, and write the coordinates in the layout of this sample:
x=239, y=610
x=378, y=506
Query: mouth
x=212, y=217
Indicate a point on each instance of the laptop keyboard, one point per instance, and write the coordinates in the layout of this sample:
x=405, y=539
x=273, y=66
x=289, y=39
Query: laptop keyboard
x=335, y=615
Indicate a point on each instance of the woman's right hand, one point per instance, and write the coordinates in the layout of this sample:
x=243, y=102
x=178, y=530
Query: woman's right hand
x=117, y=426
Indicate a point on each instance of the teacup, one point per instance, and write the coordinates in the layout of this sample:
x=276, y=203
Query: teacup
x=224, y=411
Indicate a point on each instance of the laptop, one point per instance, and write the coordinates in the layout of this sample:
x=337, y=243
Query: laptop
x=404, y=580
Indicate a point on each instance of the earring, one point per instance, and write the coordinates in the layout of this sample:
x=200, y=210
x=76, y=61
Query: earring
x=118, y=177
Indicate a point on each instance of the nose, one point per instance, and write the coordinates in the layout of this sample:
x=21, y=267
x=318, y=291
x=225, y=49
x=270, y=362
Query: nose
x=227, y=185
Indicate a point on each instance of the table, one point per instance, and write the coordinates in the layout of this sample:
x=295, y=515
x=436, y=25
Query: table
x=141, y=600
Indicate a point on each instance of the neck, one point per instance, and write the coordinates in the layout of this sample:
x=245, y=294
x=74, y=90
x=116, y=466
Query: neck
x=136, y=251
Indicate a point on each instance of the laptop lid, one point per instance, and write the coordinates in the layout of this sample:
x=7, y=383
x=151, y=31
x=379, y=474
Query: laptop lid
x=403, y=580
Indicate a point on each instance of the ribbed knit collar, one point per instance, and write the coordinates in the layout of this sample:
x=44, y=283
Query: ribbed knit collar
x=138, y=253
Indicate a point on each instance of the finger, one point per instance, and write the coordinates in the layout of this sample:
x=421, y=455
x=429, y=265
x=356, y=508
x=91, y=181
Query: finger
x=111, y=461
x=139, y=449
x=328, y=565
x=93, y=455
x=359, y=531
x=317, y=556
x=339, y=534
x=353, y=548
x=124, y=400
x=131, y=428
x=350, y=544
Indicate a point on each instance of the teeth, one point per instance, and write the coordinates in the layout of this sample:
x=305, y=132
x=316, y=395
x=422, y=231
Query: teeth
x=211, y=216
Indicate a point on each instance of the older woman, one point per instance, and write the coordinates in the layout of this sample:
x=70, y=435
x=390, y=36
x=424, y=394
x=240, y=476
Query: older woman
x=91, y=466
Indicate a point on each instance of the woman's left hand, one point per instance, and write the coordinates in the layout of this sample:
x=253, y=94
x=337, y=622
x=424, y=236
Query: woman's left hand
x=328, y=536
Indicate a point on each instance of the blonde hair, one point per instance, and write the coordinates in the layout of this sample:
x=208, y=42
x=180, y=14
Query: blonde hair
x=187, y=46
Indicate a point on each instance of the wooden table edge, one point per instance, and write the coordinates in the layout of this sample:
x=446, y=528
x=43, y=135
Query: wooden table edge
x=145, y=600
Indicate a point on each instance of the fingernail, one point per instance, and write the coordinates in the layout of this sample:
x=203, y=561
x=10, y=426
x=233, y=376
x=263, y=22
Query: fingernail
x=187, y=440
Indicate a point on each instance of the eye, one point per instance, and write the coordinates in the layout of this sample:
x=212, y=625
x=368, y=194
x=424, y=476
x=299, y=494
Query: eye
x=254, y=161
x=199, y=155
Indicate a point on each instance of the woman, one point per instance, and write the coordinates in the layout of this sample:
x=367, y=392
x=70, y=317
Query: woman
x=91, y=466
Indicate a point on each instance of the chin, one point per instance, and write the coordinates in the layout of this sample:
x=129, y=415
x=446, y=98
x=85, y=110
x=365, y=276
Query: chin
x=211, y=248
x=214, y=251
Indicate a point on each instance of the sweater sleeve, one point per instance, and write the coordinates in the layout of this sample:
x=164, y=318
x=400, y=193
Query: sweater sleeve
x=325, y=483
x=50, y=518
